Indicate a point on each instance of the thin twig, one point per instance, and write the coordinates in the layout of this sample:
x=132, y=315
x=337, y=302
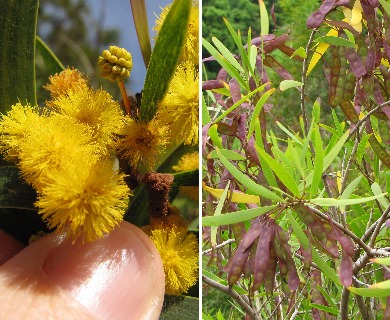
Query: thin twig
x=344, y=304
x=362, y=120
x=218, y=246
x=304, y=70
x=378, y=227
x=231, y=292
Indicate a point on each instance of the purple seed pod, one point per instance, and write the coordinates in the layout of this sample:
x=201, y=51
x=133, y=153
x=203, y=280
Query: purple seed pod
x=270, y=61
x=225, y=129
x=263, y=39
x=222, y=103
x=293, y=278
x=269, y=279
x=288, y=51
x=262, y=257
x=234, y=89
x=318, y=16
x=344, y=241
x=252, y=84
x=355, y=62
x=334, y=75
x=251, y=152
x=211, y=84
x=346, y=269
x=241, y=127
x=374, y=3
x=344, y=3
x=236, y=265
x=275, y=43
x=262, y=72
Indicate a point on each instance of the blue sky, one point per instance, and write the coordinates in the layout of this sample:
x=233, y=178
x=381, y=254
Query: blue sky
x=118, y=15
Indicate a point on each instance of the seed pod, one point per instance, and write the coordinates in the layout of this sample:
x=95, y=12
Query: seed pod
x=349, y=111
x=293, y=278
x=269, y=279
x=334, y=75
x=383, y=128
x=386, y=79
x=344, y=241
x=346, y=269
x=341, y=79
x=318, y=16
x=379, y=150
x=236, y=264
x=262, y=257
x=355, y=62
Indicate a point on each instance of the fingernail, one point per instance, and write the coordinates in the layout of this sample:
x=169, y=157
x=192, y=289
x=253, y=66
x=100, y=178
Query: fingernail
x=117, y=277
x=8, y=247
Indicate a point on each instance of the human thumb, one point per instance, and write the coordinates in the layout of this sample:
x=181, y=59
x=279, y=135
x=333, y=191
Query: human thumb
x=118, y=277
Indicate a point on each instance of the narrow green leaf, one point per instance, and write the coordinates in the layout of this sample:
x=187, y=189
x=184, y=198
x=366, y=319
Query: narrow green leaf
x=238, y=103
x=291, y=135
x=326, y=295
x=259, y=105
x=18, y=21
x=318, y=161
x=165, y=57
x=349, y=189
x=324, y=308
x=52, y=63
x=331, y=202
x=205, y=112
x=215, y=138
x=217, y=213
x=280, y=172
x=288, y=84
x=328, y=159
x=376, y=190
x=230, y=155
x=382, y=289
x=140, y=18
x=295, y=158
x=235, y=217
x=336, y=41
x=247, y=182
x=226, y=54
x=232, y=71
x=383, y=261
x=268, y=173
x=386, y=5
x=264, y=21
x=238, y=43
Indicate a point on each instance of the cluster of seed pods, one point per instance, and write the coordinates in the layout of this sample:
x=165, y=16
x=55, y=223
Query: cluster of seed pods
x=325, y=237
x=262, y=249
x=343, y=81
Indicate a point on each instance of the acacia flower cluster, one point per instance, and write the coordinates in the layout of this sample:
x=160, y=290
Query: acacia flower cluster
x=63, y=151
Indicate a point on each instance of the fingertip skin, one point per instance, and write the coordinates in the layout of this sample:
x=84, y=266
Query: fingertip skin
x=8, y=247
x=118, y=277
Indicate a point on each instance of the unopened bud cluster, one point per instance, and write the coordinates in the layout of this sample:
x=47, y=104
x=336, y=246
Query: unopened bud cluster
x=115, y=64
